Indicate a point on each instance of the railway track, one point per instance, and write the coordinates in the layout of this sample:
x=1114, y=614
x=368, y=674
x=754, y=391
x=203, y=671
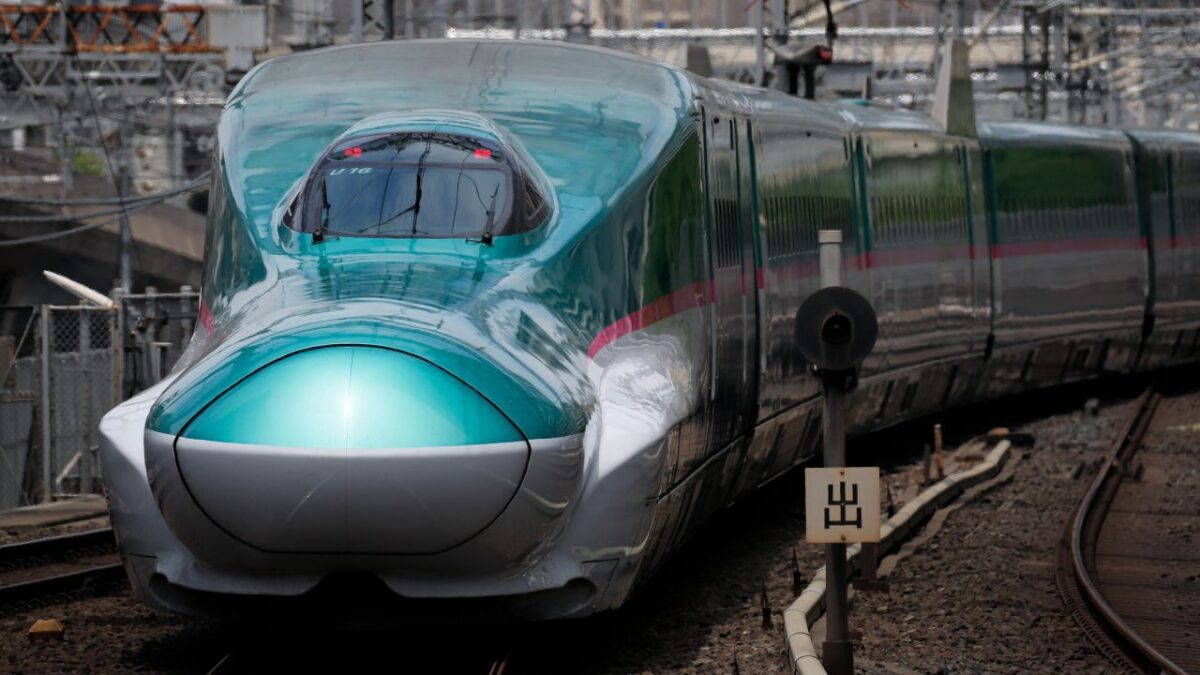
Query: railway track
x=1088, y=581
x=32, y=571
x=248, y=660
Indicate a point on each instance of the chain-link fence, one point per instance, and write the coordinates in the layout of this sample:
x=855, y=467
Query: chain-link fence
x=19, y=438
x=62, y=368
x=78, y=353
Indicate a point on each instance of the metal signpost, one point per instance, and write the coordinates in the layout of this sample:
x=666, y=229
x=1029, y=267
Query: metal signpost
x=835, y=330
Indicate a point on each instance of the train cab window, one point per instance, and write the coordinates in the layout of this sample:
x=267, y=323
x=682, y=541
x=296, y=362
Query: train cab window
x=419, y=185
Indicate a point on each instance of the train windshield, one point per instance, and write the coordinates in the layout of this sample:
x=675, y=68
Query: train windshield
x=418, y=185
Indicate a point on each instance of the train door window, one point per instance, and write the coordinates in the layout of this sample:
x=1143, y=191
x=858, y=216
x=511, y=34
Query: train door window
x=790, y=218
x=768, y=212
x=796, y=222
x=725, y=207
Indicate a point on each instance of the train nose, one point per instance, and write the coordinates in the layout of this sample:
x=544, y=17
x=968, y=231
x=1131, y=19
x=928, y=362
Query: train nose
x=352, y=449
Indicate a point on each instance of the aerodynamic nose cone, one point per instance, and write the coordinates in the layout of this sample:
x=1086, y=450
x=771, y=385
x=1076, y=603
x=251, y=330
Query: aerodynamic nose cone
x=352, y=449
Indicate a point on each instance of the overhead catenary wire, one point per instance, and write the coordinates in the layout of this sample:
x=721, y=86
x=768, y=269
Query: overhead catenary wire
x=129, y=207
x=114, y=215
x=56, y=235
x=197, y=183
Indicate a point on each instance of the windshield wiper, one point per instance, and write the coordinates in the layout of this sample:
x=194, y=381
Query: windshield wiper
x=487, y=237
x=323, y=223
x=416, y=205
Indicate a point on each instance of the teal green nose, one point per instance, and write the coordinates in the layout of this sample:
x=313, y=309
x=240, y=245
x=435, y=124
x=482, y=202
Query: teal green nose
x=352, y=449
x=353, y=398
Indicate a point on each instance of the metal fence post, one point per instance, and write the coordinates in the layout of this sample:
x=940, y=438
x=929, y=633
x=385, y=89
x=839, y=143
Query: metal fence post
x=85, y=407
x=150, y=361
x=46, y=344
x=117, y=344
x=185, y=316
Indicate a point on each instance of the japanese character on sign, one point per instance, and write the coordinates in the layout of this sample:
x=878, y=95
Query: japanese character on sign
x=841, y=505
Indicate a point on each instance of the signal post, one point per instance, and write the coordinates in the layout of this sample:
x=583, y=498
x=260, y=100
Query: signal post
x=836, y=330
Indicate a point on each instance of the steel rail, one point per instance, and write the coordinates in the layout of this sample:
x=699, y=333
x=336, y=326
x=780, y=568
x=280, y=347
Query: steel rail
x=234, y=662
x=69, y=582
x=28, y=554
x=1083, y=532
x=57, y=545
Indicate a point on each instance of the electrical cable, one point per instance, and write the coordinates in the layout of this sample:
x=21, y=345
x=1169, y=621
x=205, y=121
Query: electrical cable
x=129, y=207
x=100, y=136
x=196, y=183
x=56, y=235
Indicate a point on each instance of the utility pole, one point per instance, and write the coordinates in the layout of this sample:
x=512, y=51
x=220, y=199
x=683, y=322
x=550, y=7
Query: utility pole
x=779, y=22
x=760, y=47
x=389, y=20
x=124, y=181
x=67, y=158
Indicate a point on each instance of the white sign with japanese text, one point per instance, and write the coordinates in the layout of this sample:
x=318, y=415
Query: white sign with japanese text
x=841, y=505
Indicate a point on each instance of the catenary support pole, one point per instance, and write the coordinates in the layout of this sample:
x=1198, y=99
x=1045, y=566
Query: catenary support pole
x=124, y=183
x=760, y=47
x=389, y=19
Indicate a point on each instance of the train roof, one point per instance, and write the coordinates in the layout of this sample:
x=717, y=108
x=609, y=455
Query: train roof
x=560, y=101
x=420, y=61
x=993, y=133
x=847, y=116
x=1167, y=139
x=869, y=117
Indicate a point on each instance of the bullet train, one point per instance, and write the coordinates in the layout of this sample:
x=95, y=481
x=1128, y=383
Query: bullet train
x=496, y=325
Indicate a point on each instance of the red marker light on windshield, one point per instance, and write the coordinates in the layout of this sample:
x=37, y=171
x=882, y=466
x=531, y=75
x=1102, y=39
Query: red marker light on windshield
x=483, y=153
x=354, y=152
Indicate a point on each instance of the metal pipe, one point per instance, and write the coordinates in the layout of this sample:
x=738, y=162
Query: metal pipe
x=118, y=346
x=837, y=606
x=85, y=407
x=779, y=22
x=760, y=47
x=389, y=19
x=124, y=182
x=47, y=344
x=1045, y=64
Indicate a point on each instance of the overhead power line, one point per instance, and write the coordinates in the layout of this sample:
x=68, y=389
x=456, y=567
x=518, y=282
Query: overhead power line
x=113, y=216
x=196, y=183
x=57, y=235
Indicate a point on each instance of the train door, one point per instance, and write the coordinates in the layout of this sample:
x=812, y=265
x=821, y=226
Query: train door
x=970, y=157
x=1154, y=220
x=732, y=275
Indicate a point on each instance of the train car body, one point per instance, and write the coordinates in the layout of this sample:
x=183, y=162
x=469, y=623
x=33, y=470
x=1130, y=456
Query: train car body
x=502, y=323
